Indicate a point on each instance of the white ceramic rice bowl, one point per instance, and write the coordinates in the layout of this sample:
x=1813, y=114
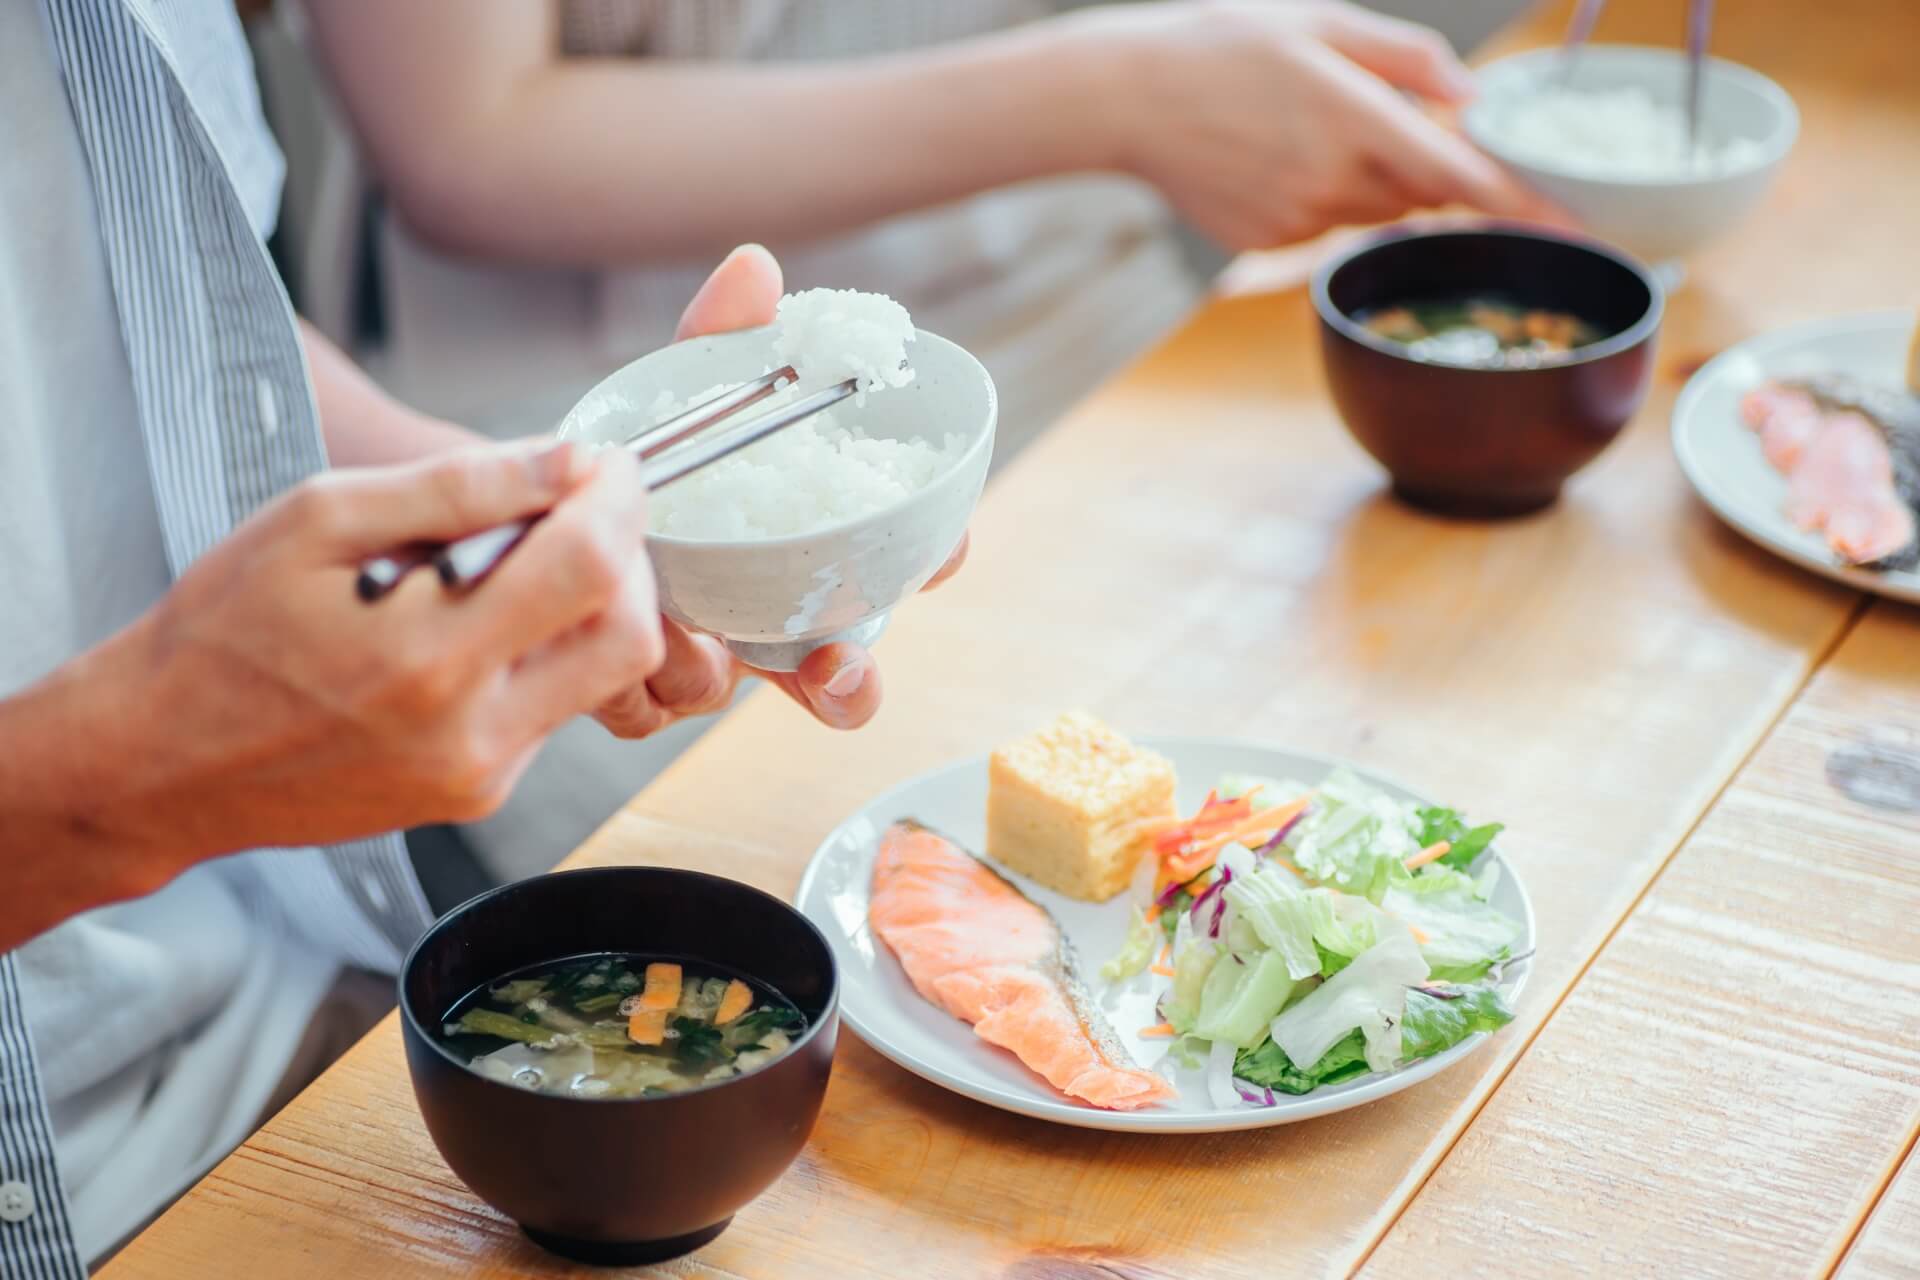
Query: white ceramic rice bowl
x=773, y=601
x=1656, y=219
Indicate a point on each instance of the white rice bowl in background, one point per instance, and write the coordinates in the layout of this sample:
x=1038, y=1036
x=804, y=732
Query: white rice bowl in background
x=1620, y=132
x=1604, y=137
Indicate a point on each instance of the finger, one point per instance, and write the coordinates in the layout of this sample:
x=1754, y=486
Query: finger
x=1435, y=166
x=742, y=293
x=1404, y=54
x=632, y=713
x=601, y=666
x=588, y=553
x=358, y=512
x=952, y=566
x=698, y=675
x=1371, y=196
x=839, y=683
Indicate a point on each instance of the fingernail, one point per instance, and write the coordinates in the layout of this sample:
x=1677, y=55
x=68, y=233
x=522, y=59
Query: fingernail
x=845, y=680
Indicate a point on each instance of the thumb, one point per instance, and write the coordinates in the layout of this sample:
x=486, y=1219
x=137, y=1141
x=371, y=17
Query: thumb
x=360, y=511
x=1404, y=54
x=741, y=293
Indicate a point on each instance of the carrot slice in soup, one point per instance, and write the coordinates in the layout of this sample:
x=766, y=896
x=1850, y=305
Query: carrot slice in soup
x=648, y=1026
x=663, y=987
x=738, y=1000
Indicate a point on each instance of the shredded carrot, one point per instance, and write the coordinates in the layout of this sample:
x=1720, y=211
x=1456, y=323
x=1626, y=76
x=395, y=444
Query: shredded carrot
x=1432, y=853
x=1153, y=912
x=663, y=987
x=737, y=1000
x=1160, y=969
x=647, y=1026
x=1197, y=854
x=1208, y=822
x=1420, y=935
x=1166, y=953
x=1159, y=1031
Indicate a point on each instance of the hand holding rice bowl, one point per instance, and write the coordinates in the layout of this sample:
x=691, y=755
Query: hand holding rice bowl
x=776, y=566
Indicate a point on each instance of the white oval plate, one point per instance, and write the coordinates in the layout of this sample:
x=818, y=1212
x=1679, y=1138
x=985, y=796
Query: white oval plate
x=1721, y=456
x=881, y=1006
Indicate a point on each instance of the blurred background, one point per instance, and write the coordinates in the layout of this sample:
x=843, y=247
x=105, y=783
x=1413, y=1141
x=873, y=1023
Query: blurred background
x=506, y=348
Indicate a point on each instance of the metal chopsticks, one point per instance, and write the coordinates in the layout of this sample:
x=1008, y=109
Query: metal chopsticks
x=463, y=564
x=1699, y=22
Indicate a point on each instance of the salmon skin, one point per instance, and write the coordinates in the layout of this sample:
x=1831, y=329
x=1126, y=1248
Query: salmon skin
x=976, y=946
x=1851, y=455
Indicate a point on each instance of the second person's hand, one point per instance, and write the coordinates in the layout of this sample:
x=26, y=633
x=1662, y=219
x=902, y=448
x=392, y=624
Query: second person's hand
x=1269, y=121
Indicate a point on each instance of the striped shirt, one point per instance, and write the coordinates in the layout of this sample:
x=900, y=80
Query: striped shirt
x=185, y=183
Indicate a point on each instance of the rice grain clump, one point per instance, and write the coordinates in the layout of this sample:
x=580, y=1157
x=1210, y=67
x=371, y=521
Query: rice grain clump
x=830, y=335
x=822, y=471
x=1612, y=133
x=814, y=474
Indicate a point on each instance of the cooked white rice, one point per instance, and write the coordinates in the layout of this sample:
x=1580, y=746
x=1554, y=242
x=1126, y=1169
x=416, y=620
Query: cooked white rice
x=830, y=335
x=1610, y=133
x=822, y=471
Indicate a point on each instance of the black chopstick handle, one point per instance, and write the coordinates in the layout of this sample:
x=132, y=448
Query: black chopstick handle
x=382, y=574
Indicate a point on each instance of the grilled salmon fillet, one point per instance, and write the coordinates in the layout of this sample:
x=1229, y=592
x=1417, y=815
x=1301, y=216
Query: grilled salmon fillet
x=977, y=947
x=1851, y=455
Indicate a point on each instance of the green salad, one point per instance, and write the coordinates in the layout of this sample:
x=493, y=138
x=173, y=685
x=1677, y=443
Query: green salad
x=1310, y=935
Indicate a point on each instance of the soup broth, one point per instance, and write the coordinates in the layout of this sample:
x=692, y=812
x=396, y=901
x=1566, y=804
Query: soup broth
x=1481, y=332
x=620, y=1026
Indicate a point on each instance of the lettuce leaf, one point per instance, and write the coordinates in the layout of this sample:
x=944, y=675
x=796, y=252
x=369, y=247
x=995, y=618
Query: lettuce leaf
x=1191, y=967
x=1136, y=953
x=1436, y=1022
x=1241, y=997
x=1437, y=824
x=1267, y=1064
x=1284, y=916
x=1370, y=994
x=1354, y=837
x=1464, y=935
x=1272, y=791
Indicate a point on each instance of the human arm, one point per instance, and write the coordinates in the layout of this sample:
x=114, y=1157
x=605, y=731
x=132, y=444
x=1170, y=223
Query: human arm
x=363, y=425
x=259, y=703
x=490, y=142
x=1264, y=122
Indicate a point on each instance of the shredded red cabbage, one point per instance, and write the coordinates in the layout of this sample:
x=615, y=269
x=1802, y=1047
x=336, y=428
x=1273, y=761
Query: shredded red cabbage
x=1168, y=894
x=1257, y=1095
x=1214, y=896
x=1279, y=837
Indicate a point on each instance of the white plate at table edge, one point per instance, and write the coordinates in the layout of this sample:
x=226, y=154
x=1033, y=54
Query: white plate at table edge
x=876, y=997
x=1720, y=455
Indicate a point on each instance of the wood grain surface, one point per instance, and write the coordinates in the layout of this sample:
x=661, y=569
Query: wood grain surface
x=1730, y=1085
x=1200, y=549
x=1889, y=1246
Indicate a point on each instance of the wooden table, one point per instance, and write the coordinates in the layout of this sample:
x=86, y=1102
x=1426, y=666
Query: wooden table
x=1699, y=751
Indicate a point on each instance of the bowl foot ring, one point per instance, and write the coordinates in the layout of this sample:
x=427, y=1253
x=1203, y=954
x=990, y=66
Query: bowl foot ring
x=625, y=1253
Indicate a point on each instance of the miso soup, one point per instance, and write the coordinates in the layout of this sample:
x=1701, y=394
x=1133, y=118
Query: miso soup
x=1481, y=332
x=621, y=1026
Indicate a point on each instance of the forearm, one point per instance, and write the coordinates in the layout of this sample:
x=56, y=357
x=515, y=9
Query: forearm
x=363, y=425
x=586, y=162
x=73, y=766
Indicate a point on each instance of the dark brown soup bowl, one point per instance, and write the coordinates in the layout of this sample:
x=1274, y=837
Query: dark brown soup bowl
x=620, y=1180
x=1486, y=442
